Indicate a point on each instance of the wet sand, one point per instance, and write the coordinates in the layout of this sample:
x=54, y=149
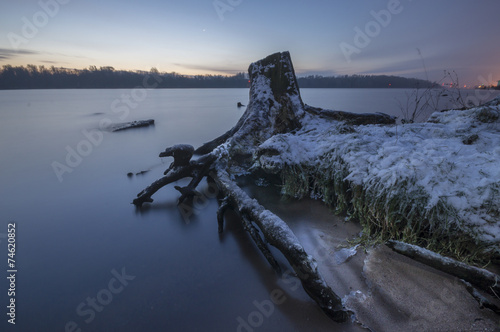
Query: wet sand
x=385, y=290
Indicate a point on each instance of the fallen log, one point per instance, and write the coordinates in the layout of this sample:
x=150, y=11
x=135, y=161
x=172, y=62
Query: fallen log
x=352, y=118
x=481, y=278
x=483, y=301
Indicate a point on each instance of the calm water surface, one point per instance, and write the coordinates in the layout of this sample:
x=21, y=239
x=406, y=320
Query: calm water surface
x=391, y=101
x=87, y=259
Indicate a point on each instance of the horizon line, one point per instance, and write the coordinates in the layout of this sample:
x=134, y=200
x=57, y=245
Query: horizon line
x=101, y=68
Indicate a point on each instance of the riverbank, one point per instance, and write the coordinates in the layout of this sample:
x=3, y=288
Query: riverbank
x=386, y=291
x=435, y=184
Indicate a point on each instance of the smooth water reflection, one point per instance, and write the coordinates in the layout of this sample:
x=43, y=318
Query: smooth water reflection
x=74, y=237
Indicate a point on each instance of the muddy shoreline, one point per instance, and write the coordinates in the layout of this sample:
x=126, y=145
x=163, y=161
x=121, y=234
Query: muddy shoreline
x=386, y=291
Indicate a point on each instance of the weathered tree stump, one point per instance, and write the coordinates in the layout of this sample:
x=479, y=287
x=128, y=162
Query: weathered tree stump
x=275, y=107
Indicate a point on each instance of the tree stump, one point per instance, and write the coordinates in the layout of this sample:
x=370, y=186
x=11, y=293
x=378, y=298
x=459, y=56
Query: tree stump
x=275, y=107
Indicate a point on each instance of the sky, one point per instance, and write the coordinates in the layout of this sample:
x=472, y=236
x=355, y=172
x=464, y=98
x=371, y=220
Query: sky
x=410, y=38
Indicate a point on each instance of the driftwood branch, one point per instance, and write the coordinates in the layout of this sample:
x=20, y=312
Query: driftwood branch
x=482, y=300
x=481, y=278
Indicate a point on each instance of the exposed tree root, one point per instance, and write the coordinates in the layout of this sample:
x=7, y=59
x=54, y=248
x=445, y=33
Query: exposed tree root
x=196, y=169
x=275, y=107
x=278, y=234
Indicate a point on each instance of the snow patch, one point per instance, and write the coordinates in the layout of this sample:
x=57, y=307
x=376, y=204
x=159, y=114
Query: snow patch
x=343, y=255
x=425, y=160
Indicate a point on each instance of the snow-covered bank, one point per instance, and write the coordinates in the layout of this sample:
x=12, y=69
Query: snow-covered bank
x=435, y=183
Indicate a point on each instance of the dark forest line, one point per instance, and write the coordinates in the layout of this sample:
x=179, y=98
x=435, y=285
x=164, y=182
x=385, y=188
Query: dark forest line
x=33, y=77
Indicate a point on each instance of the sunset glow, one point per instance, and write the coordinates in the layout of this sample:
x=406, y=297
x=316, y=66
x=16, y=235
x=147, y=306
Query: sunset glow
x=406, y=38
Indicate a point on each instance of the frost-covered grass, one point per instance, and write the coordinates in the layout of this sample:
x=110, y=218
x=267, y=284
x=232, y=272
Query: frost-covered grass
x=435, y=184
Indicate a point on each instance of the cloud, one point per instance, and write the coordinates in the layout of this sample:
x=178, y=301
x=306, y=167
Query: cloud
x=6, y=53
x=67, y=55
x=52, y=62
x=216, y=69
x=394, y=67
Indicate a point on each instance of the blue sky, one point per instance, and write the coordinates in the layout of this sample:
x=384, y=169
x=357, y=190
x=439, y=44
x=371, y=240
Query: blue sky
x=418, y=38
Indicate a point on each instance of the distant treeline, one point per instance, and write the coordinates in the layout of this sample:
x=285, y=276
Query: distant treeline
x=363, y=81
x=33, y=77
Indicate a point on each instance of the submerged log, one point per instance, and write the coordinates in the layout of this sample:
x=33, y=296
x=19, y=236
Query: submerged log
x=275, y=107
x=130, y=125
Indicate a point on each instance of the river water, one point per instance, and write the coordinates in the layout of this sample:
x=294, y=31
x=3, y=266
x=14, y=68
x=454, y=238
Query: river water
x=88, y=260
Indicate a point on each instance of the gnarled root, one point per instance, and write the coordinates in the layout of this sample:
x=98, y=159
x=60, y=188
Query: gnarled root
x=277, y=233
x=196, y=169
